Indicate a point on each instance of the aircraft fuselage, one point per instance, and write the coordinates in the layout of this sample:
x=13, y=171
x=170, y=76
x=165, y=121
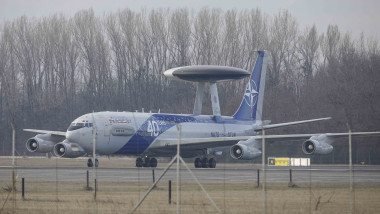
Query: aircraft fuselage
x=132, y=133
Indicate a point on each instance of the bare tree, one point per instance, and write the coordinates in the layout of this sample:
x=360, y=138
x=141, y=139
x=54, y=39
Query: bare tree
x=330, y=43
x=180, y=32
x=307, y=47
x=9, y=76
x=282, y=36
x=206, y=37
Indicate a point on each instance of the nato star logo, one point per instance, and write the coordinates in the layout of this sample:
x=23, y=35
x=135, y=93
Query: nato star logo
x=251, y=93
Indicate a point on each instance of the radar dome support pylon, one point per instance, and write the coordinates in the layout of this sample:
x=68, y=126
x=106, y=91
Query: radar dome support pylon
x=199, y=98
x=206, y=73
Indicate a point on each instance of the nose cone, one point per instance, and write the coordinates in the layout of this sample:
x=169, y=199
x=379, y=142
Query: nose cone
x=72, y=136
x=69, y=135
x=169, y=73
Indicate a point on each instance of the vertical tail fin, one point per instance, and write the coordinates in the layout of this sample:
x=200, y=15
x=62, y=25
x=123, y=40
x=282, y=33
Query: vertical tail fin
x=251, y=106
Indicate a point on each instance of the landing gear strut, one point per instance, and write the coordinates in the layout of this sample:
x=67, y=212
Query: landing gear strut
x=90, y=164
x=146, y=162
x=204, y=163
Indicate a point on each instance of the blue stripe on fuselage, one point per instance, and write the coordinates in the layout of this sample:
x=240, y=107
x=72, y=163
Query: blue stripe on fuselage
x=147, y=133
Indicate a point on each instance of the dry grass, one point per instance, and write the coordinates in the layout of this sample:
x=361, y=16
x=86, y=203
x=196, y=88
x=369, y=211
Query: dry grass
x=234, y=197
x=118, y=197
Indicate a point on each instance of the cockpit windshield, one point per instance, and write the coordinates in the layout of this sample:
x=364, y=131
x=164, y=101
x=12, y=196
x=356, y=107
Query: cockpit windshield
x=75, y=126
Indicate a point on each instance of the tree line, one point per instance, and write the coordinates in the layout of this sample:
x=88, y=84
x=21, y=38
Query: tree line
x=56, y=68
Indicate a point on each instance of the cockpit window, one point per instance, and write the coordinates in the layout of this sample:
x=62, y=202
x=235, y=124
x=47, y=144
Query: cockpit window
x=75, y=126
x=88, y=124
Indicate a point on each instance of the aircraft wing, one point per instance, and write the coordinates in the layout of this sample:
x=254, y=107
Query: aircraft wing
x=272, y=138
x=212, y=142
x=58, y=133
x=278, y=125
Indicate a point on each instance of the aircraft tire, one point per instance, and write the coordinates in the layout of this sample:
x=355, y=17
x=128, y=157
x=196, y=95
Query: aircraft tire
x=146, y=162
x=197, y=163
x=153, y=162
x=89, y=163
x=212, y=163
x=204, y=163
x=139, y=162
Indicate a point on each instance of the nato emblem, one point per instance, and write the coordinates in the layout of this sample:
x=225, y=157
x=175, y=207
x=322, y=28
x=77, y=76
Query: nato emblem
x=251, y=94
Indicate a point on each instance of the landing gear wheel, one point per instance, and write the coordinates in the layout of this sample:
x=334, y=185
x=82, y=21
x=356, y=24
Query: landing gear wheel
x=146, y=162
x=89, y=163
x=139, y=162
x=204, y=163
x=153, y=162
x=212, y=163
x=96, y=163
x=197, y=163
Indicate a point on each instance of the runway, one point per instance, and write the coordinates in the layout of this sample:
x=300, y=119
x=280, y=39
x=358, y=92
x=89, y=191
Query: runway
x=230, y=173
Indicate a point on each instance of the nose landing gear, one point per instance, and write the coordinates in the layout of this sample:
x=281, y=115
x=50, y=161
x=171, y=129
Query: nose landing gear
x=204, y=162
x=146, y=162
x=90, y=163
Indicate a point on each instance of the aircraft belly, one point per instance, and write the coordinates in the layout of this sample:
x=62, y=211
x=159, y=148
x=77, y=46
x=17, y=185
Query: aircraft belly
x=115, y=144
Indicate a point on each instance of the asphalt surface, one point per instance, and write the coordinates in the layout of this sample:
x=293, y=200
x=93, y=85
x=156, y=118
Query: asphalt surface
x=313, y=174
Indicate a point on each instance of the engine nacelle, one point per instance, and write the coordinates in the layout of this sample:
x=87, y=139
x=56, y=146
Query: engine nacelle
x=318, y=145
x=68, y=150
x=246, y=150
x=40, y=144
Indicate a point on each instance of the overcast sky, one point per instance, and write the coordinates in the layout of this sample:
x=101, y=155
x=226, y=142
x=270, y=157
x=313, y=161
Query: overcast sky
x=355, y=16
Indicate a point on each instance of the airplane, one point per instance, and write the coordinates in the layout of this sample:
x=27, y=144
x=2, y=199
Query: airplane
x=203, y=137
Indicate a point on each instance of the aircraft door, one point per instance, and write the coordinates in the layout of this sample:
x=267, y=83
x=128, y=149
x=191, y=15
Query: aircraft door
x=107, y=131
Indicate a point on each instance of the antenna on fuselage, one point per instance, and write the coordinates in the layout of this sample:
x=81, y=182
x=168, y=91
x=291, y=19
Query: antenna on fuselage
x=203, y=74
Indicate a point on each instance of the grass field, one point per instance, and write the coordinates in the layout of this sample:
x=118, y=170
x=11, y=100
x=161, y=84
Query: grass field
x=231, y=197
x=120, y=197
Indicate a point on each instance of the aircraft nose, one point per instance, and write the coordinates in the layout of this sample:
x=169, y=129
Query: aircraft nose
x=69, y=136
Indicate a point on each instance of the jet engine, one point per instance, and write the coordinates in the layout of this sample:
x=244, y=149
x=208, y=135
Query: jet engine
x=320, y=144
x=246, y=150
x=40, y=143
x=68, y=150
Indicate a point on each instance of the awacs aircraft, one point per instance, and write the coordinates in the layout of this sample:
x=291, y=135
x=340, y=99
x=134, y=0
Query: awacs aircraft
x=149, y=135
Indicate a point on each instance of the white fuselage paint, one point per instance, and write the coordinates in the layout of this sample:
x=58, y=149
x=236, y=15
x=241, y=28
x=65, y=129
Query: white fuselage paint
x=151, y=129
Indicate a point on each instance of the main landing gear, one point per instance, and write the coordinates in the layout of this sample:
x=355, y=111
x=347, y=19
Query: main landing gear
x=146, y=162
x=90, y=164
x=204, y=163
